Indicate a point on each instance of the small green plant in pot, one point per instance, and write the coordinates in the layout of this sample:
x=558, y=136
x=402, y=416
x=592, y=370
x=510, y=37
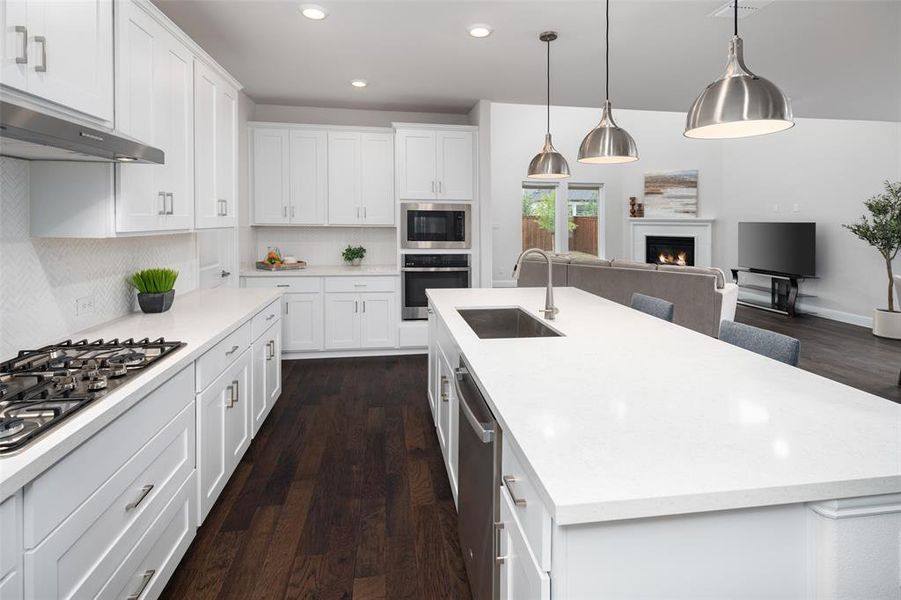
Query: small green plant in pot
x=156, y=289
x=354, y=255
x=882, y=230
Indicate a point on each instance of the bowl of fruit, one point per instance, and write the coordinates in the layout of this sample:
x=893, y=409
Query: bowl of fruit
x=275, y=262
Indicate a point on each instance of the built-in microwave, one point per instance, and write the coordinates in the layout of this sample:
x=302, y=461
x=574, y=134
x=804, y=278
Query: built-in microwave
x=435, y=225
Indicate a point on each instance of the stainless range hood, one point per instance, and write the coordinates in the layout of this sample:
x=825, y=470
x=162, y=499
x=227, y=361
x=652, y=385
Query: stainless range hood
x=32, y=135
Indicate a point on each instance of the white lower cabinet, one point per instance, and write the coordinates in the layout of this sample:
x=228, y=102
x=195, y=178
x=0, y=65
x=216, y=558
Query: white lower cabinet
x=360, y=320
x=223, y=428
x=302, y=327
x=11, y=587
x=520, y=576
x=267, y=374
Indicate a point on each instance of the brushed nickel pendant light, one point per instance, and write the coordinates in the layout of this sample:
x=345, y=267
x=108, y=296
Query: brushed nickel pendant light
x=608, y=143
x=548, y=164
x=738, y=104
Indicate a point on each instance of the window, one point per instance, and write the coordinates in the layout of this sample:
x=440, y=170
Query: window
x=539, y=209
x=579, y=231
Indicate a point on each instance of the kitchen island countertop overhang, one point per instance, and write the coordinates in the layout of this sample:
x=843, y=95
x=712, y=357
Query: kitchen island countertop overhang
x=626, y=416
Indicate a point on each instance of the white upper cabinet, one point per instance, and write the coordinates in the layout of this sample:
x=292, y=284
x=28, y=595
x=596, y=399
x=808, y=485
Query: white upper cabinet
x=344, y=196
x=270, y=176
x=61, y=52
x=377, y=178
x=454, y=159
x=435, y=164
x=154, y=91
x=215, y=149
x=308, y=177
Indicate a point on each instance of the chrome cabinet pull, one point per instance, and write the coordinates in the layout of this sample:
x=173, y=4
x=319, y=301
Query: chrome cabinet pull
x=232, y=351
x=134, y=504
x=444, y=395
x=236, y=391
x=498, y=528
x=171, y=203
x=23, y=60
x=270, y=317
x=162, y=195
x=282, y=285
x=356, y=307
x=364, y=213
x=440, y=187
x=433, y=187
x=145, y=579
x=231, y=397
x=358, y=212
x=41, y=68
x=285, y=211
x=224, y=207
x=223, y=274
x=292, y=212
x=509, y=480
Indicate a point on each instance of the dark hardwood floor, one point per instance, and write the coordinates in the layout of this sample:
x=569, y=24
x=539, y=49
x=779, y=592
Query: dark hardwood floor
x=839, y=351
x=343, y=494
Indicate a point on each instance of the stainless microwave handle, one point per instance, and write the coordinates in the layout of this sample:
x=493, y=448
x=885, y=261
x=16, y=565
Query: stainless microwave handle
x=485, y=434
x=433, y=269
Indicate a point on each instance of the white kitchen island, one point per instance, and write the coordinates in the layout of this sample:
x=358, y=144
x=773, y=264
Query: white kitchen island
x=656, y=462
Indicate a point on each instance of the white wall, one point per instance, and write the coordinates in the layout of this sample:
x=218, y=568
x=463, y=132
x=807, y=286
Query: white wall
x=316, y=115
x=41, y=279
x=739, y=180
x=246, y=238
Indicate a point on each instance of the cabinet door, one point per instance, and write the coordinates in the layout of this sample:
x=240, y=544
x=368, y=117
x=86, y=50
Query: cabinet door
x=433, y=362
x=344, y=178
x=237, y=414
x=227, y=153
x=416, y=165
x=259, y=380
x=141, y=44
x=274, y=367
x=378, y=321
x=206, y=89
x=14, y=40
x=213, y=460
x=520, y=577
x=270, y=176
x=302, y=322
x=73, y=65
x=455, y=165
x=342, y=322
x=442, y=402
x=308, y=177
x=176, y=94
x=377, y=178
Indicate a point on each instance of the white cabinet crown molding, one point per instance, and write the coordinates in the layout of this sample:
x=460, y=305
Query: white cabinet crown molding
x=413, y=126
x=279, y=125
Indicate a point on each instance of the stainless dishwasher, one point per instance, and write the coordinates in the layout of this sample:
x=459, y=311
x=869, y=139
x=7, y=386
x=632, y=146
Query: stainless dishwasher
x=479, y=485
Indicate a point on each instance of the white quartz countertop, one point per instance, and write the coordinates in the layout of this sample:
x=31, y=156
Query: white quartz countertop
x=326, y=271
x=628, y=416
x=200, y=319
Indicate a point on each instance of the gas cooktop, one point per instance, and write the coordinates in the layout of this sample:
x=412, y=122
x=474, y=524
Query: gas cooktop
x=41, y=388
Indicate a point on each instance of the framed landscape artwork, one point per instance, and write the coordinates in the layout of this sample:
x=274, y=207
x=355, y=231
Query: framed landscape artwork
x=671, y=194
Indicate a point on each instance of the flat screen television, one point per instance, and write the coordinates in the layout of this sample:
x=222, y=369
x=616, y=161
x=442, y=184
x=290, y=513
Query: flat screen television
x=784, y=248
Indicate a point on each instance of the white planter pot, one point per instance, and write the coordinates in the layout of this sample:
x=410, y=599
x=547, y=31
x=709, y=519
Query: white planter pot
x=887, y=324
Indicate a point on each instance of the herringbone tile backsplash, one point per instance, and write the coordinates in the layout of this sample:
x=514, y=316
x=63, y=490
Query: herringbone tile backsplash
x=41, y=278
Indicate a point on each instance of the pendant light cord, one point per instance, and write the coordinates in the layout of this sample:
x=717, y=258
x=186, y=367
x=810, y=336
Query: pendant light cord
x=548, y=86
x=735, y=18
x=607, y=58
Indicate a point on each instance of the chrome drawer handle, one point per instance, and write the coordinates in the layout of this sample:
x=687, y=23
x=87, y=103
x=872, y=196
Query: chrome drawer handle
x=234, y=387
x=498, y=527
x=171, y=203
x=145, y=579
x=231, y=397
x=41, y=68
x=444, y=395
x=360, y=284
x=232, y=351
x=22, y=60
x=282, y=285
x=270, y=317
x=144, y=491
x=508, y=481
x=162, y=195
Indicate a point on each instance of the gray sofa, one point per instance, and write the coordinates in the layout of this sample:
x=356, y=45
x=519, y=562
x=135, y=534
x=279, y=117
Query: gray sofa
x=701, y=296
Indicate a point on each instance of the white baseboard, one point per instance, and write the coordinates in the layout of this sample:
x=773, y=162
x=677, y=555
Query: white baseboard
x=819, y=311
x=352, y=353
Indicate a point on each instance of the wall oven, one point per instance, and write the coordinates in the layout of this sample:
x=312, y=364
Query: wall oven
x=424, y=271
x=435, y=225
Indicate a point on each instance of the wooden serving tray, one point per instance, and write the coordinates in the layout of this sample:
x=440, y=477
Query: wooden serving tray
x=264, y=266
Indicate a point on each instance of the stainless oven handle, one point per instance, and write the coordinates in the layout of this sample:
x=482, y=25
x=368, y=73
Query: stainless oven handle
x=433, y=269
x=485, y=435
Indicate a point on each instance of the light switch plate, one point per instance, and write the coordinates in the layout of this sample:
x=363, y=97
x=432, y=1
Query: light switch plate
x=84, y=305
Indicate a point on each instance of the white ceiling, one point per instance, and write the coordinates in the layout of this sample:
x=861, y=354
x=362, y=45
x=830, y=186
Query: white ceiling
x=835, y=59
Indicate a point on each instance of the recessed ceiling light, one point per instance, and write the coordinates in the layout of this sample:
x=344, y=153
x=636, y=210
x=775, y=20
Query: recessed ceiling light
x=313, y=12
x=480, y=30
x=359, y=83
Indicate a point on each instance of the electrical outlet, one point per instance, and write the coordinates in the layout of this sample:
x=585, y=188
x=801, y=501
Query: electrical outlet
x=84, y=305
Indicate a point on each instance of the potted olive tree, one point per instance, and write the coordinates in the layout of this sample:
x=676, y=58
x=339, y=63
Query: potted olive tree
x=156, y=289
x=882, y=230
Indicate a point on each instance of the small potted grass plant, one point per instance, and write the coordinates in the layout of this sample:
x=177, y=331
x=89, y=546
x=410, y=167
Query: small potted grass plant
x=354, y=255
x=156, y=289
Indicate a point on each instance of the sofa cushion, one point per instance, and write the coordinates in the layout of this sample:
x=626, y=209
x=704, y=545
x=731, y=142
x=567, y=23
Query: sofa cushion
x=590, y=261
x=717, y=273
x=631, y=264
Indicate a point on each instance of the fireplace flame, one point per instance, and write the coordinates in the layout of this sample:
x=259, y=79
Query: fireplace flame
x=680, y=259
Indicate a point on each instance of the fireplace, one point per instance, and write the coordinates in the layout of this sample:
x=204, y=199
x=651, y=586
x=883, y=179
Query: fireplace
x=670, y=250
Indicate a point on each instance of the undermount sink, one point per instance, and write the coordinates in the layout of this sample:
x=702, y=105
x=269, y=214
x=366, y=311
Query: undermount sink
x=500, y=323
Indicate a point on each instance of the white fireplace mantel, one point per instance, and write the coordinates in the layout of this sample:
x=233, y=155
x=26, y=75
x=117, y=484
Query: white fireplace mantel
x=699, y=229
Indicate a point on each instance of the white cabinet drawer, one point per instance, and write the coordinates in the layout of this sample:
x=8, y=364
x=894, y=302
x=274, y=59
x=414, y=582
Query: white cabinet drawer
x=265, y=318
x=60, y=490
x=80, y=555
x=145, y=571
x=528, y=507
x=11, y=548
x=360, y=284
x=219, y=357
x=521, y=578
x=289, y=284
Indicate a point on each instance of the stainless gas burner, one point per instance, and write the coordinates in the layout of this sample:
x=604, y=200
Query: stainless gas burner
x=40, y=388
